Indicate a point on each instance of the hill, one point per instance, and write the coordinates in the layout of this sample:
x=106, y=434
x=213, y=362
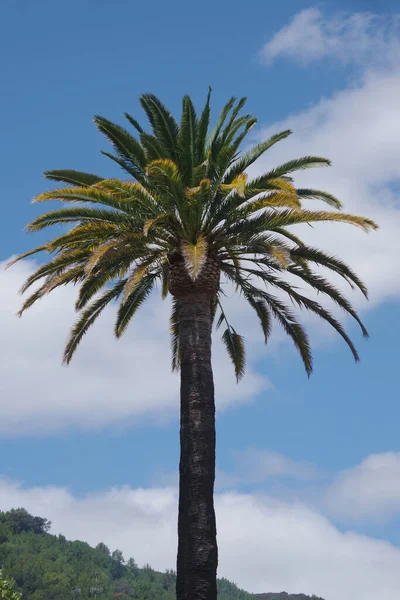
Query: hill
x=49, y=567
x=285, y=596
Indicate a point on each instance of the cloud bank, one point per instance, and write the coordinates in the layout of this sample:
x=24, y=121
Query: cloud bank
x=359, y=38
x=265, y=544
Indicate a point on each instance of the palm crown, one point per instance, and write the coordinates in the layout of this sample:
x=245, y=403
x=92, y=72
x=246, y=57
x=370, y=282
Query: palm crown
x=189, y=202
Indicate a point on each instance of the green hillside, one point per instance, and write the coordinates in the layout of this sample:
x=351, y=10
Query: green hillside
x=285, y=596
x=49, y=567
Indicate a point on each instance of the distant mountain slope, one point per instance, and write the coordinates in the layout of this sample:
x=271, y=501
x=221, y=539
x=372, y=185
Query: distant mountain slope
x=286, y=596
x=49, y=567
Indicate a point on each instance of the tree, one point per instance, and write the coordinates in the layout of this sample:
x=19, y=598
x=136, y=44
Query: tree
x=132, y=566
x=189, y=218
x=20, y=520
x=6, y=589
x=103, y=549
x=118, y=556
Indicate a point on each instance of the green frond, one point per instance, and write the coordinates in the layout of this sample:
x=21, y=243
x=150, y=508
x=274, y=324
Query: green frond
x=165, y=175
x=163, y=124
x=320, y=284
x=187, y=140
x=133, y=192
x=56, y=266
x=88, y=317
x=126, y=146
x=37, y=295
x=269, y=220
x=289, y=323
x=309, y=194
x=133, y=122
x=63, y=216
x=163, y=218
x=26, y=255
x=325, y=315
x=322, y=259
x=276, y=199
x=234, y=344
x=74, y=177
x=74, y=275
x=125, y=165
x=91, y=286
x=253, y=154
x=153, y=148
x=263, y=314
x=227, y=131
x=245, y=121
x=138, y=274
x=202, y=131
x=97, y=255
x=128, y=308
x=194, y=256
x=91, y=195
x=307, y=162
x=289, y=235
x=87, y=234
x=220, y=121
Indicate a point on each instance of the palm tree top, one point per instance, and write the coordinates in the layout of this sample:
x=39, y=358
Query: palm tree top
x=186, y=204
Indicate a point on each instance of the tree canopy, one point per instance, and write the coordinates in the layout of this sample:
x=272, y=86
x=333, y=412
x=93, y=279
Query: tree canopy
x=186, y=199
x=49, y=567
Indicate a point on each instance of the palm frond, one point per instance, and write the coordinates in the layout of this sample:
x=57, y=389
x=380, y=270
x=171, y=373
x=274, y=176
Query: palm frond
x=74, y=177
x=187, y=140
x=309, y=194
x=307, y=162
x=253, y=154
x=220, y=121
x=164, y=126
x=26, y=255
x=133, y=122
x=234, y=344
x=330, y=262
x=136, y=298
x=138, y=274
x=127, y=147
x=202, y=131
x=64, y=216
x=88, y=317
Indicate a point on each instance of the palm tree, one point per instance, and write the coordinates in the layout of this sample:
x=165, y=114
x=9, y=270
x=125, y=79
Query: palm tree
x=186, y=217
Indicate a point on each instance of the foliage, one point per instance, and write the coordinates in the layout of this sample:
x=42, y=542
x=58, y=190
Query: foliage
x=48, y=567
x=6, y=589
x=189, y=200
x=286, y=596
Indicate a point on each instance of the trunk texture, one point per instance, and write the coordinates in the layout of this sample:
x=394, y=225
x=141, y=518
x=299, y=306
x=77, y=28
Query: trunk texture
x=197, y=537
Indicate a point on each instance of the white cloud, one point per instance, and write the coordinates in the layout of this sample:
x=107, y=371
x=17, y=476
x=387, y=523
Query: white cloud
x=369, y=491
x=265, y=544
x=358, y=129
x=108, y=383
x=359, y=38
x=256, y=466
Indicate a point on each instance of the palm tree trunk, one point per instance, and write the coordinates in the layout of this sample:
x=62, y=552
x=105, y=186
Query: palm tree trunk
x=197, y=539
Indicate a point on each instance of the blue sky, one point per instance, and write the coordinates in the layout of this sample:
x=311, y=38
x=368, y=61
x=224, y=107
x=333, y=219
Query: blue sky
x=314, y=447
